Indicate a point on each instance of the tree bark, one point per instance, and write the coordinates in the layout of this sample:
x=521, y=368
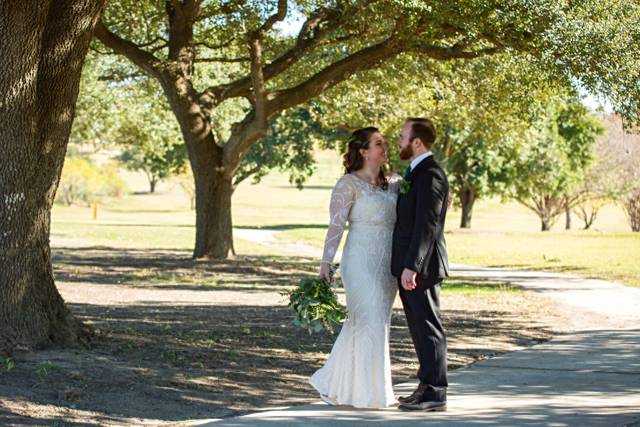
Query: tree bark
x=546, y=226
x=467, y=200
x=43, y=49
x=567, y=222
x=587, y=216
x=213, y=176
x=632, y=208
x=152, y=185
x=214, y=238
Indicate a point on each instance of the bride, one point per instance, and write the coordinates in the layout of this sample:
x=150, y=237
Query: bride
x=358, y=370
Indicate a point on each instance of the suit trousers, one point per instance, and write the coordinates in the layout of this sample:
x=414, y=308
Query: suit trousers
x=422, y=309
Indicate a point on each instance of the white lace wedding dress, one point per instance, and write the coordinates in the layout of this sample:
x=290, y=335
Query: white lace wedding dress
x=358, y=370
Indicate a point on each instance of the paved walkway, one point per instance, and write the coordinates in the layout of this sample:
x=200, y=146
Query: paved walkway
x=588, y=379
x=589, y=375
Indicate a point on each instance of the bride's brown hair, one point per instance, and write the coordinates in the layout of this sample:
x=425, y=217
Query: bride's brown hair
x=352, y=159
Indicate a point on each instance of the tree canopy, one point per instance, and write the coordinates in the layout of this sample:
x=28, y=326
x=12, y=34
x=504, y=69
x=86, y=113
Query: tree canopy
x=228, y=68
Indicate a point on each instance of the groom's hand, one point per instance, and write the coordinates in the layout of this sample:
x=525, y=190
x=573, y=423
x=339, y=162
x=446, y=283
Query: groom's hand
x=408, y=279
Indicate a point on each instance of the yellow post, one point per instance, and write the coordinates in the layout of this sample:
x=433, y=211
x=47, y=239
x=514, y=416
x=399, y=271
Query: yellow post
x=94, y=210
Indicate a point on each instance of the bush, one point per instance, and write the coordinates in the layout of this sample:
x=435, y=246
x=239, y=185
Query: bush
x=82, y=182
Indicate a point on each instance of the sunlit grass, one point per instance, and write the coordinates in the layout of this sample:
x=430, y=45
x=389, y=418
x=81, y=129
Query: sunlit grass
x=502, y=234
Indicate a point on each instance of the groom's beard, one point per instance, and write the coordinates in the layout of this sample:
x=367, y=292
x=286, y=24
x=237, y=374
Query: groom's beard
x=406, y=153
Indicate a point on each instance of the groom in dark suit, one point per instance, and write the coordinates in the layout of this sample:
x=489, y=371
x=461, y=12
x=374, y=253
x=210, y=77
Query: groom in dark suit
x=419, y=261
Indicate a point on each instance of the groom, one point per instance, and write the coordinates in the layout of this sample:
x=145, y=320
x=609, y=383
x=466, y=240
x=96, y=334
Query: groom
x=419, y=261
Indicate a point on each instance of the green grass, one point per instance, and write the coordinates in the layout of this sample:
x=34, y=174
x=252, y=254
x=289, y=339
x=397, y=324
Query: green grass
x=459, y=286
x=607, y=256
x=502, y=234
x=610, y=256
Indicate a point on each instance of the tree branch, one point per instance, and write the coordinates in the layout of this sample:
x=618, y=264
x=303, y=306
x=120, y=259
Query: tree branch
x=278, y=16
x=315, y=29
x=254, y=126
x=243, y=176
x=247, y=132
x=452, y=52
x=255, y=52
x=216, y=46
x=223, y=59
x=257, y=79
x=143, y=59
x=333, y=74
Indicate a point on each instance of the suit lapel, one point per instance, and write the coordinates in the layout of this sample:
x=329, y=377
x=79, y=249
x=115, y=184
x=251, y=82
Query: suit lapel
x=423, y=165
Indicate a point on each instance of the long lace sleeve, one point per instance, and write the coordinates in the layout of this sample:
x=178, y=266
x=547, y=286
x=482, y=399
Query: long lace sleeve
x=342, y=198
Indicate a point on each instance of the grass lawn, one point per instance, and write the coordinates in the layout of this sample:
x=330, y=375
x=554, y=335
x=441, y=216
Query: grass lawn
x=502, y=234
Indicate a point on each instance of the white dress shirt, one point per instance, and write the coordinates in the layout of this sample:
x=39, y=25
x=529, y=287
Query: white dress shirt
x=420, y=158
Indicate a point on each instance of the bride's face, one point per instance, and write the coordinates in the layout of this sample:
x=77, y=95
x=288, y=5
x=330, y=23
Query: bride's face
x=376, y=154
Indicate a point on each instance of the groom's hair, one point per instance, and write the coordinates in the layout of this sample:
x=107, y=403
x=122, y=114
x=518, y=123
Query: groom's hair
x=424, y=129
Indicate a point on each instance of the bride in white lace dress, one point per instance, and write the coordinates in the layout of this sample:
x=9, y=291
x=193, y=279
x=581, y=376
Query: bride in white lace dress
x=358, y=370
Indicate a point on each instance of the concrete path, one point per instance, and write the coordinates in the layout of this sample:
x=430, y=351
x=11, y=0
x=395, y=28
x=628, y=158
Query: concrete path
x=584, y=379
x=589, y=375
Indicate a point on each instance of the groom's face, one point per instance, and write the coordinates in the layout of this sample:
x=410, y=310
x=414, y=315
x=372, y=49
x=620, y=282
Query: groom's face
x=406, y=148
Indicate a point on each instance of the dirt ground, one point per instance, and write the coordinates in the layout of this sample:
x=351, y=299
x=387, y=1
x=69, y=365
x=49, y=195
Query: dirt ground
x=178, y=339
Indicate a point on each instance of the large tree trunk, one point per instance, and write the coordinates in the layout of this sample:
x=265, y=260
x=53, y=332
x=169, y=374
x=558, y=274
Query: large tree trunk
x=567, y=222
x=467, y=199
x=214, y=235
x=43, y=47
x=213, y=178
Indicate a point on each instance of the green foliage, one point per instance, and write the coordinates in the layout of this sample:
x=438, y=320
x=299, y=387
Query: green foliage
x=480, y=107
x=483, y=167
x=119, y=110
x=580, y=130
x=6, y=363
x=549, y=170
x=82, y=182
x=289, y=146
x=100, y=106
x=157, y=160
x=215, y=62
x=149, y=134
x=590, y=43
x=44, y=369
x=316, y=305
x=187, y=183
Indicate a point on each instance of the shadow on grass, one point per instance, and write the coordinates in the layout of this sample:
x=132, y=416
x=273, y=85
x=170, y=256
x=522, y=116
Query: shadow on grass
x=163, y=225
x=167, y=269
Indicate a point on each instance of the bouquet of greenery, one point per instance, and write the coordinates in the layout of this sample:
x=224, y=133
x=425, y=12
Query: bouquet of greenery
x=316, y=304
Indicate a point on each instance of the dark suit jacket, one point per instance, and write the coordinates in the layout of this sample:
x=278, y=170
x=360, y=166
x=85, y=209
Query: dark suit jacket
x=418, y=236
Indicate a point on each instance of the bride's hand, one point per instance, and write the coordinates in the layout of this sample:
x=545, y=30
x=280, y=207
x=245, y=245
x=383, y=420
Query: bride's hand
x=325, y=271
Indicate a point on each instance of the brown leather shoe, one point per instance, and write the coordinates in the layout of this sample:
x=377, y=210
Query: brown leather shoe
x=413, y=398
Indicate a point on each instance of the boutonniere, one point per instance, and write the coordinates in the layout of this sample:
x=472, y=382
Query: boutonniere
x=405, y=186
